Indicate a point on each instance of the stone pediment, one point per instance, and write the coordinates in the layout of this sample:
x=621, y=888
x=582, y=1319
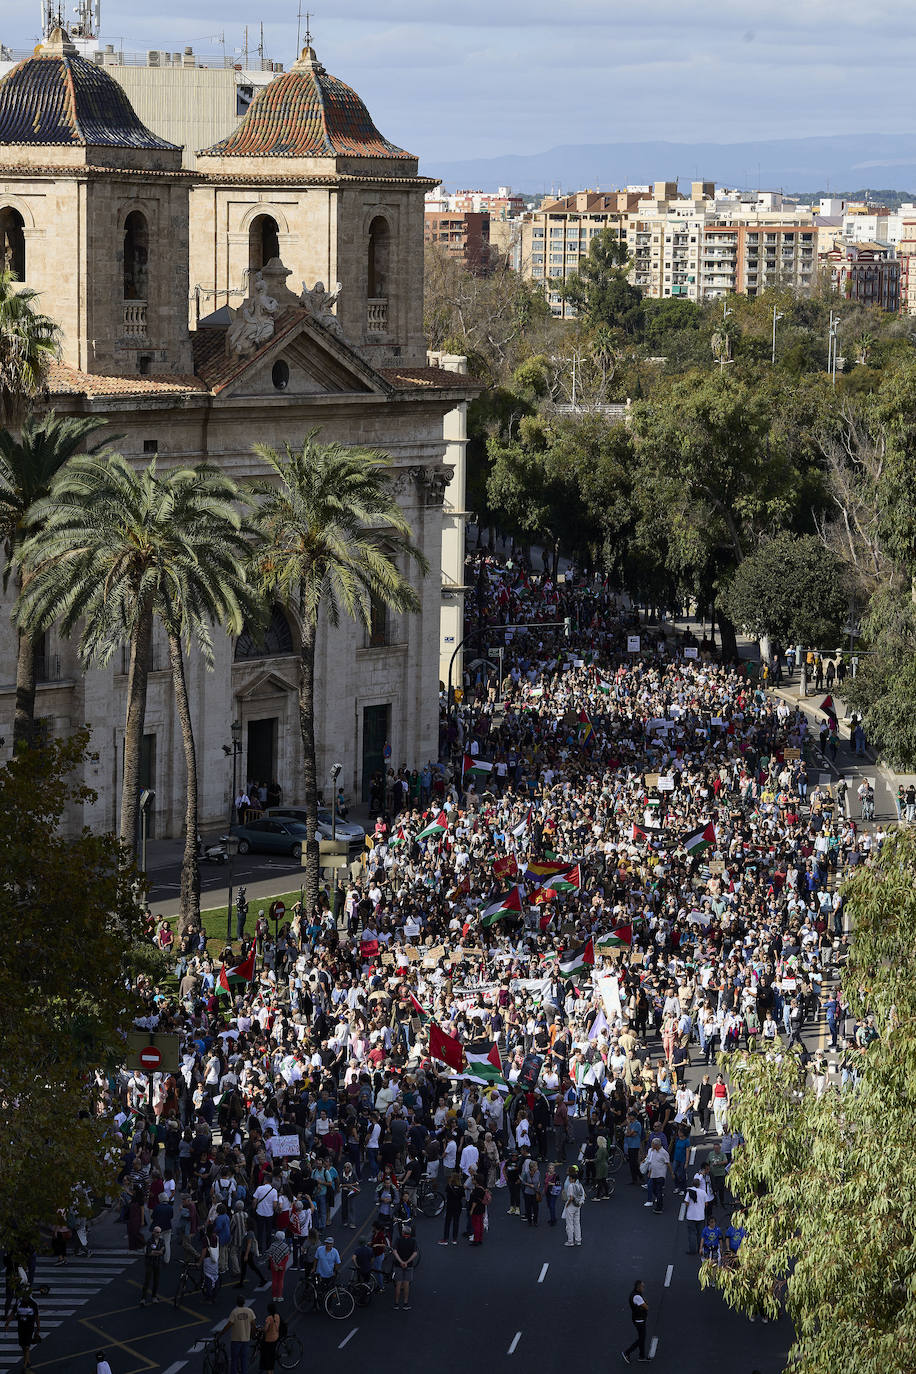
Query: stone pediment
x=266, y=684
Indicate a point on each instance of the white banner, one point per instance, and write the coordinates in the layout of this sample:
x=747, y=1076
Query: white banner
x=609, y=992
x=690, y=651
x=633, y=644
x=283, y=1146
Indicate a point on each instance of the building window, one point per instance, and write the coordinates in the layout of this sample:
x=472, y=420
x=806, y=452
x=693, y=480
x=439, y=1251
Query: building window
x=12, y=242
x=151, y=446
x=280, y=375
x=378, y=255
x=274, y=641
x=378, y=623
x=263, y=242
x=136, y=257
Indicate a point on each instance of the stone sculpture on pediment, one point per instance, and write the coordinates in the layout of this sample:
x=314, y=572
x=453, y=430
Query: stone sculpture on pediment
x=320, y=302
x=253, y=322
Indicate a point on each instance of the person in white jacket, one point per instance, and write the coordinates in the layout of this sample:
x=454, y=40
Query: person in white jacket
x=699, y=1196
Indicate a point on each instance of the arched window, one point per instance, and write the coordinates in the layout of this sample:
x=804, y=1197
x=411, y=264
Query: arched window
x=136, y=257
x=379, y=251
x=263, y=241
x=12, y=242
x=275, y=641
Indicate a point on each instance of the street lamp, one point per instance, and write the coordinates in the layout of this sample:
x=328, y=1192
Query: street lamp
x=336, y=770
x=232, y=750
x=147, y=797
x=776, y=316
x=832, y=333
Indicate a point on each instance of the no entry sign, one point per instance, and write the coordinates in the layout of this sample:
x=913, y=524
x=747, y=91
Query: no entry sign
x=152, y=1051
x=150, y=1057
x=277, y=911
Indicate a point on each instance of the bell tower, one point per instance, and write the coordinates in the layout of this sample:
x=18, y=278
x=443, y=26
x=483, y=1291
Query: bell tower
x=94, y=215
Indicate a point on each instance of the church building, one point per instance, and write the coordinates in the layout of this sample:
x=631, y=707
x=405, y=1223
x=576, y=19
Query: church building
x=274, y=290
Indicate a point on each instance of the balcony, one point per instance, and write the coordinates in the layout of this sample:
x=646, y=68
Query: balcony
x=377, y=316
x=135, y=319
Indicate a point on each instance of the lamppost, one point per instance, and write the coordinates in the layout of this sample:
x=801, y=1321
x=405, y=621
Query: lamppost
x=776, y=316
x=147, y=797
x=336, y=770
x=232, y=750
x=832, y=333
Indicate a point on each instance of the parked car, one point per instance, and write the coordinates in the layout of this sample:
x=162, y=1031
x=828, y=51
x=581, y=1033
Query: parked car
x=271, y=835
x=354, y=834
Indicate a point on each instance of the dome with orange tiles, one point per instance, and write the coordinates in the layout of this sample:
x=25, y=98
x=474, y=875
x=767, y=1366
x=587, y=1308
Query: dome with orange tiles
x=306, y=113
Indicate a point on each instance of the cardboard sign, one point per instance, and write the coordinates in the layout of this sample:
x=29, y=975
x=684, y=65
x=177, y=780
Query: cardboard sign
x=632, y=644
x=411, y=929
x=666, y=784
x=283, y=1146
x=791, y=754
x=651, y=779
x=429, y=961
x=716, y=866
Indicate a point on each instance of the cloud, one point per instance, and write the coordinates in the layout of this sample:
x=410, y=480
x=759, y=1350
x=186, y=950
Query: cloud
x=454, y=79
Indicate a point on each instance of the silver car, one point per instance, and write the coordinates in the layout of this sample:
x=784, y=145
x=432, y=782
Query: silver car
x=354, y=834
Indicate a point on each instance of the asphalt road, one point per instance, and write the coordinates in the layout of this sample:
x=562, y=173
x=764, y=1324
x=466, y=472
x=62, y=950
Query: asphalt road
x=163, y=867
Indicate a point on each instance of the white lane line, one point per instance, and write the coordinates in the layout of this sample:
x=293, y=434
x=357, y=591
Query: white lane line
x=653, y=1347
x=543, y=1274
x=683, y=1212
x=174, y=1368
x=515, y=1340
x=219, y=1326
x=693, y=1153
x=196, y=1349
x=668, y=1272
x=346, y=1340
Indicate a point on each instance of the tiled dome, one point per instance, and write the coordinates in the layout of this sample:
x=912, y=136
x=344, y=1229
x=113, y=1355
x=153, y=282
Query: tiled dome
x=58, y=97
x=306, y=113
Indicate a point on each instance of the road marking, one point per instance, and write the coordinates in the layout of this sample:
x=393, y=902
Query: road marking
x=174, y=1368
x=669, y=1271
x=683, y=1212
x=653, y=1347
x=515, y=1340
x=219, y=1326
x=543, y=1274
x=346, y=1340
x=197, y=1348
x=693, y=1153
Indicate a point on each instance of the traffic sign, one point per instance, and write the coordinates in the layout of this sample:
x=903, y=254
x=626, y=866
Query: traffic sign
x=277, y=911
x=150, y=1058
x=143, y=1045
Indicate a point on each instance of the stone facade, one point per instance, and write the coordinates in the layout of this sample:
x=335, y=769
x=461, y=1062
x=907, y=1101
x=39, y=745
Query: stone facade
x=192, y=395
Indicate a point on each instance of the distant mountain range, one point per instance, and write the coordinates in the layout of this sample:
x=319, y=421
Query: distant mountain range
x=788, y=164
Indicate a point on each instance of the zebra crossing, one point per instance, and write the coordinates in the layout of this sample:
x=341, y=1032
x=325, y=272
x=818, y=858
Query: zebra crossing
x=70, y=1286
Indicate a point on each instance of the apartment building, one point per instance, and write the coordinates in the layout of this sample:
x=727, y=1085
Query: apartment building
x=865, y=272
x=557, y=235
x=464, y=234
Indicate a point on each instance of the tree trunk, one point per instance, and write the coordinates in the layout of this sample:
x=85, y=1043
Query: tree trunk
x=729, y=637
x=309, y=764
x=137, y=675
x=24, y=719
x=189, y=900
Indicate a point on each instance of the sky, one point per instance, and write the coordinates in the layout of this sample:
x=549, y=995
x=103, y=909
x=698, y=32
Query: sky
x=480, y=78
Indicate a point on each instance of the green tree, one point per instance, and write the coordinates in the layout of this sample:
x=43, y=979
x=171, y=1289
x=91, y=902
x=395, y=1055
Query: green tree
x=330, y=533
x=884, y=687
x=72, y=929
x=829, y=1182
x=27, y=467
x=29, y=344
x=119, y=548
x=791, y=589
x=599, y=290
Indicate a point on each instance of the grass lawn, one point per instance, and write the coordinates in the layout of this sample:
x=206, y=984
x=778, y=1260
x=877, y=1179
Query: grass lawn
x=213, y=919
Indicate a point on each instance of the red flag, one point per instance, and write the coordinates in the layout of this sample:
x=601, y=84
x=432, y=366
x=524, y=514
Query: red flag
x=506, y=868
x=541, y=895
x=368, y=948
x=445, y=1047
x=827, y=705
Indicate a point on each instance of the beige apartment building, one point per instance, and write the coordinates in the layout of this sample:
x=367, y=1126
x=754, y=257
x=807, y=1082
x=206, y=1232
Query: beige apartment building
x=554, y=237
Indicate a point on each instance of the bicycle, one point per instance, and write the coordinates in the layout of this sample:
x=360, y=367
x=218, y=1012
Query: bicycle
x=361, y=1288
x=289, y=1348
x=334, y=1299
x=615, y=1159
x=190, y=1280
x=429, y=1200
x=216, y=1358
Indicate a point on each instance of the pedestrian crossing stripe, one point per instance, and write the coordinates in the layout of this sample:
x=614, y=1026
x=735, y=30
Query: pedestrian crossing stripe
x=71, y=1286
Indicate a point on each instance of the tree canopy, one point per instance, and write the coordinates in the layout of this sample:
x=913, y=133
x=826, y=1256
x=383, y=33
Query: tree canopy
x=71, y=926
x=791, y=588
x=828, y=1183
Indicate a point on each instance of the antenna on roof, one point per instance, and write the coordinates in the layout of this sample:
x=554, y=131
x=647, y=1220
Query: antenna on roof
x=308, y=29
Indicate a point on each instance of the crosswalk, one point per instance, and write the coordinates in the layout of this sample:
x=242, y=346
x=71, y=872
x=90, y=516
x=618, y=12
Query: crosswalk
x=70, y=1286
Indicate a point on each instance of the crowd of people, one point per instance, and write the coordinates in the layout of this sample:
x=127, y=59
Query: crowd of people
x=618, y=793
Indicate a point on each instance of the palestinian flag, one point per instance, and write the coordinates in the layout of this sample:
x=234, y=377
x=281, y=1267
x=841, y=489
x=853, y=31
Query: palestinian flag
x=698, y=840
x=483, y=1067
x=436, y=828
x=570, y=881
x=233, y=977
x=510, y=905
x=576, y=961
x=605, y=687
x=828, y=706
x=535, y=692
x=419, y=1009
x=506, y=868
x=475, y=768
x=519, y=830
x=621, y=938
x=645, y=834
x=398, y=837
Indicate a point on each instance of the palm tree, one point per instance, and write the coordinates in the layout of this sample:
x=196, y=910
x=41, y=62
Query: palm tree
x=330, y=532
x=27, y=467
x=118, y=549
x=29, y=344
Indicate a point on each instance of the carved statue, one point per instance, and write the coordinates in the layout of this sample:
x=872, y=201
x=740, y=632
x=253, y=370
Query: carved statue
x=253, y=323
x=319, y=303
